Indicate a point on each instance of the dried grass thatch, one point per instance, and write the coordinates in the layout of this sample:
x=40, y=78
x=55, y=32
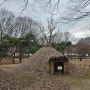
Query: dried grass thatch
x=39, y=61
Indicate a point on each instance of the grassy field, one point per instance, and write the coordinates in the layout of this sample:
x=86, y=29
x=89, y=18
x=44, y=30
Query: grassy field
x=76, y=83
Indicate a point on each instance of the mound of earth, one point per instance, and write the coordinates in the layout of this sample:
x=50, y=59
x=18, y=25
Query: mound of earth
x=8, y=81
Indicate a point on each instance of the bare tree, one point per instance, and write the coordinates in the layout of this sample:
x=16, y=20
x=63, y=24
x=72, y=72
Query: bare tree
x=51, y=29
x=63, y=36
x=6, y=22
x=48, y=33
x=68, y=50
x=58, y=37
x=79, y=7
x=67, y=36
x=86, y=40
x=16, y=26
x=51, y=34
x=78, y=10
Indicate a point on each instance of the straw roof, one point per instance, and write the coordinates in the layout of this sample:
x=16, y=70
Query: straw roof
x=40, y=60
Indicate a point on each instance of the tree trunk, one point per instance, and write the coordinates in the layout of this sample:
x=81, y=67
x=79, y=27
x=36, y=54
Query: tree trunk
x=13, y=58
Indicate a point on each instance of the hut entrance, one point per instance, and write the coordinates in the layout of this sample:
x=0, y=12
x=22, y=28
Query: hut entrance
x=58, y=65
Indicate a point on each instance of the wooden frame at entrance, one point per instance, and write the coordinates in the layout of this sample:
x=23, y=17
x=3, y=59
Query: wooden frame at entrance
x=54, y=62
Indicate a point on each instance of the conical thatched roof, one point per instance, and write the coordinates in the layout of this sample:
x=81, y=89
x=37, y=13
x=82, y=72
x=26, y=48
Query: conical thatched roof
x=40, y=60
x=39, y=63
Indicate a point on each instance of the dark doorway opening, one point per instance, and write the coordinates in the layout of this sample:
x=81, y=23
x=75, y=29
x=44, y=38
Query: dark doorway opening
x=56, y=64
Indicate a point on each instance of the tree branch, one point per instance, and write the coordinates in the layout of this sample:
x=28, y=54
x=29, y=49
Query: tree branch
x=3, y=3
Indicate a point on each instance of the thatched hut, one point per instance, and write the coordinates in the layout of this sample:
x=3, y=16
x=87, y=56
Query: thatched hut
x=42, y=60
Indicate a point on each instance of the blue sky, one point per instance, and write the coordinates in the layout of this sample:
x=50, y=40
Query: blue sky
x=41, y=14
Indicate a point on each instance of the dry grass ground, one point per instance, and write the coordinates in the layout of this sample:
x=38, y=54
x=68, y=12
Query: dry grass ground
x=76, y=83
x=6, y=61
x=25, y=80
x=84, y=63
